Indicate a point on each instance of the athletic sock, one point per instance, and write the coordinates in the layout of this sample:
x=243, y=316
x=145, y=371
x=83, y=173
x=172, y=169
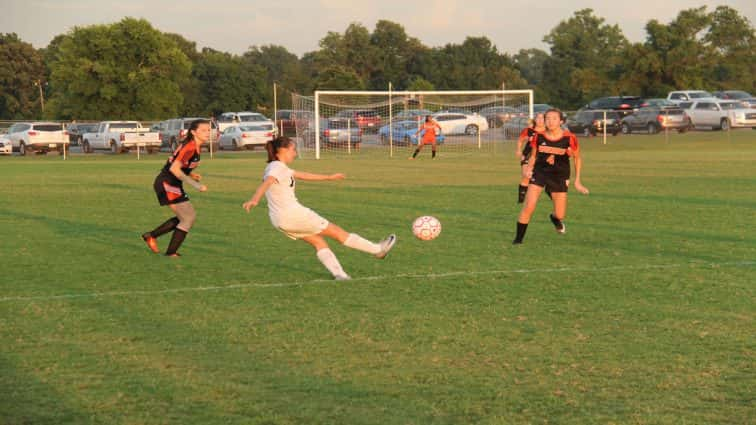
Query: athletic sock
x=176, y=240
x=557, y=222
x=521, y=191
x=329, y=260
x=521, y=228
x=359, y=243
x=417, y=151
x=164, y=228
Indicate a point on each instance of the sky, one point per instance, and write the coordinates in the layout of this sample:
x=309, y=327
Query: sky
x=235, y=25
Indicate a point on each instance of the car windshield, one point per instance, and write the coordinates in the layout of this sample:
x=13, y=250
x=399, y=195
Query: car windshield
x=254, y=128
x=48, y=127
x=124, y=125
x=251, y=118
x=700, y=94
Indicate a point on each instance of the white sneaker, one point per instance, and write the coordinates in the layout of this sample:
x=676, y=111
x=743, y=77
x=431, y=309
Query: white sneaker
x=386, y=246
x=343, y=277
x=562, y=230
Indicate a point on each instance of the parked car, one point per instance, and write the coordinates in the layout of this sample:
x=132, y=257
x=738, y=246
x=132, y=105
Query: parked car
x=39, y=137
x=514, y=127
x=751, y=102
x=732, y=94
x=405, y=133
x=287, y=119
x=6, y=147
x=366, y=119
x=721, y=114
x=246, y=136
x=689, y=95
x=335, y=132
x=228, y=119
x=412, y=114
x=454, y=123
x=658, y=101
x=625, y=105
x=589, y=122
x=121, y=136
x=76, y=131
x=656, y=118
x=174, y=131
x=498, y=115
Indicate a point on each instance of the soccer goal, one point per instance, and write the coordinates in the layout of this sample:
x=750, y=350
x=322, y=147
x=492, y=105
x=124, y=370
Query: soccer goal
x=349, y=122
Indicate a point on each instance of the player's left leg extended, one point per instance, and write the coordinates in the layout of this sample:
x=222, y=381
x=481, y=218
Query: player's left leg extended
x=559, y=200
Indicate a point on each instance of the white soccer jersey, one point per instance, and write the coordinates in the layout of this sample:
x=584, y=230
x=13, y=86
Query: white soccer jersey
x=285, y=211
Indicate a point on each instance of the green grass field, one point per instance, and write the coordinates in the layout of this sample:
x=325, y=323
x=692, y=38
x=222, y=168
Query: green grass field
x=643, y=313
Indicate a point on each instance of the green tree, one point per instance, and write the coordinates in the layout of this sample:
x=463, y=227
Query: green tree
x=229, y=83
x=283, y=68
x=338, y=78
x=585, y=60
x=732, y=39
x=475, y=64
x=122, y=70
x=21, y=73
x=420, y=84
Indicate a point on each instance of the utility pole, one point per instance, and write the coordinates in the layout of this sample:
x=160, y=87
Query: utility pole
x=38, y=83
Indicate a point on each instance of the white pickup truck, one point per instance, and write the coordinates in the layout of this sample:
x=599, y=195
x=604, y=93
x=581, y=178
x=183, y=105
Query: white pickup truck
x=120, y=136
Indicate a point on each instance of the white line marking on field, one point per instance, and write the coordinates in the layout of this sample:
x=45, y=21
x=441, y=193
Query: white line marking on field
x=374, y=278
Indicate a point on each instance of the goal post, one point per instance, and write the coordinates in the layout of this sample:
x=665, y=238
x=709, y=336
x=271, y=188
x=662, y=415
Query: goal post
x=346, y=122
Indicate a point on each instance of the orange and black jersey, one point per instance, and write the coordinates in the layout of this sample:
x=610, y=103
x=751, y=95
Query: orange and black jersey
x=553, y=156
x=187, y=155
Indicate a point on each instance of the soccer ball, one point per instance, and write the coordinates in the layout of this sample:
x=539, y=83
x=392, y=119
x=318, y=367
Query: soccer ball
x=426, y=228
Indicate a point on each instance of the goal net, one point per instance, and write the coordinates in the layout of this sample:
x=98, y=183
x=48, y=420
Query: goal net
x=350, y=122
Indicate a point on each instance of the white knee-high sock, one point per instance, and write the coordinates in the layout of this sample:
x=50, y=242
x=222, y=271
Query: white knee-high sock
x=359, y=243
x=329, y=260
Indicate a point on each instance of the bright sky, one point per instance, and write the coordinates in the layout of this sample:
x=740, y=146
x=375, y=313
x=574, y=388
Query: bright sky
x=235, y=25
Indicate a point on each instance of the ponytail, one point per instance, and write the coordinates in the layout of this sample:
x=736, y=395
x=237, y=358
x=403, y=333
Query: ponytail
x=274, y=145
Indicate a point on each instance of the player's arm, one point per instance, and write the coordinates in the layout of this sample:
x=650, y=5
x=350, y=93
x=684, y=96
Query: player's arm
x=300, y=175
x=176, y=171
x=259, y=192
x=578, y=160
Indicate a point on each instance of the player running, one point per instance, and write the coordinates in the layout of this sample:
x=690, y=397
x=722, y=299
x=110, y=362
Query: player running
x=428, y=131
x=549, y=168
x=299, y=222
x=169, y=188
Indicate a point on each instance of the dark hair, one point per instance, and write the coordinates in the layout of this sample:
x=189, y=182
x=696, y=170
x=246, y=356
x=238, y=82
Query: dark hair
x=557, y=110
x=274, y=145
x=193, y=126
x=428, y=118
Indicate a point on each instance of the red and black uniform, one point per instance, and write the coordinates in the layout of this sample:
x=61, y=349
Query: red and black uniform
x=528, y=133
x=552, y=163
x=168, y=188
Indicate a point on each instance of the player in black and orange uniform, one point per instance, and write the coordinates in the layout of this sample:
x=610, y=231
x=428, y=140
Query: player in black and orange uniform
x=428, y=130
x=549, y=168
x=536, y=125
x=169, y=188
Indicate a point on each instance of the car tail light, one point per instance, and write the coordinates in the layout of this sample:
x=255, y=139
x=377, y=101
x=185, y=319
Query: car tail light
x=327, y=133
x=123, y=136
x=625, y=106
x=244, y=135
x=160, y=136
x=269, y=134
x=182, y=133
x=32, y=133
x=65, y=133
x=660, y=118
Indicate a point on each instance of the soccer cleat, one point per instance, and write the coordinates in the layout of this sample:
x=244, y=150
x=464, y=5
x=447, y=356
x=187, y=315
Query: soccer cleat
x=558, y=225
x=342, y=277
x=386, y=246
x=175, y=254
x=516, y=242
x=151, y=243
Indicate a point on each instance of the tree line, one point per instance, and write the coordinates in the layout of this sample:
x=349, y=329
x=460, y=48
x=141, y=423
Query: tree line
x=129, y=69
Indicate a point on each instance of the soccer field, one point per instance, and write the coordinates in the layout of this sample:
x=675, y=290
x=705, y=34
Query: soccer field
x=642, y=313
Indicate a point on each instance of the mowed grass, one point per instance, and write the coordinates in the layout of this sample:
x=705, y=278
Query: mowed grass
x=643, y=313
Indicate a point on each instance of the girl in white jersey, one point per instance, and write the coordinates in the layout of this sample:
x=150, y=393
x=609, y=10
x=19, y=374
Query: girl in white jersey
x=299, y=222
